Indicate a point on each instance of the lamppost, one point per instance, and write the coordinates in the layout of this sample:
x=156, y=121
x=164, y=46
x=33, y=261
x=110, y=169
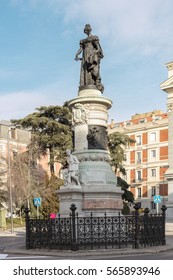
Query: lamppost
x=9, y=179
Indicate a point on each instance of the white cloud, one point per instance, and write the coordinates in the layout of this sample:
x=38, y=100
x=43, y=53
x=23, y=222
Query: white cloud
x=136, y=36
x=139, y=26
x=16, y=105
x=143, y=26
x=19, y=104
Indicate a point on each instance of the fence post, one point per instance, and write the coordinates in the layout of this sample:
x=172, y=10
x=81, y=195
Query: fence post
x=146, y=224
x=137, y=207
x=74, y=245
x=164, y=208
x=27, y=242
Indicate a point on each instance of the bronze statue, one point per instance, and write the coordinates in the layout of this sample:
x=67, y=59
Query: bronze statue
x=90, y=61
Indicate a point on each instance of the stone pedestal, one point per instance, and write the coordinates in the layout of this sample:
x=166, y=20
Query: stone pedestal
x=68, y=195
x=99, y=192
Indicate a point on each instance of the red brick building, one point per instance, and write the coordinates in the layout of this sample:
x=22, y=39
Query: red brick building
x=146, y=159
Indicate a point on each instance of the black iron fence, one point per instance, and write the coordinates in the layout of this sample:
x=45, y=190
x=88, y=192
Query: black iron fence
x=76, y=233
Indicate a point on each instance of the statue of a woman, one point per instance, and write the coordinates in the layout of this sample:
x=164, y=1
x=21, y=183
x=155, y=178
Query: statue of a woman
x=91, y=55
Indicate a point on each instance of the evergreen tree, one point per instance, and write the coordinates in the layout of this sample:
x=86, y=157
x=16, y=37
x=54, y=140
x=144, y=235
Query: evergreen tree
x=51, y=132
x=50, y=201
x=116, y=144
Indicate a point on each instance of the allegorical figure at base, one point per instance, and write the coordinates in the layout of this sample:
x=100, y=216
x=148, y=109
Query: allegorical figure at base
x=71, y=174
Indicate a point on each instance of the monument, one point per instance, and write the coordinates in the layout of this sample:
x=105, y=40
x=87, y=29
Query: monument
x=89, y=181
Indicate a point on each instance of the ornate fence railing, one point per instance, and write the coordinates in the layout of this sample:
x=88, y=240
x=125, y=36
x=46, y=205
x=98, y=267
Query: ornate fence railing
x=76, y=233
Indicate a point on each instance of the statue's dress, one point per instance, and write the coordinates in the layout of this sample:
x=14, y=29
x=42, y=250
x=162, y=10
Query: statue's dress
x=90, y=66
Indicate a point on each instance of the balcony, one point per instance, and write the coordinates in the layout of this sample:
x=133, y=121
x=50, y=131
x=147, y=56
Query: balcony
x=137, y=181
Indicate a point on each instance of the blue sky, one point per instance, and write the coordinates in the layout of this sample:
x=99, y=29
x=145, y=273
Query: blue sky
x=39, y=40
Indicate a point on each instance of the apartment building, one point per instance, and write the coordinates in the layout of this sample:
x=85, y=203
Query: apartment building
x=15, y=140
x=12, y=140
x=147, y=159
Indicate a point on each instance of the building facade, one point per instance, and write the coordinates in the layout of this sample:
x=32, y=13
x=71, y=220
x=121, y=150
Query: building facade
x=14, y=141
x=147, y=159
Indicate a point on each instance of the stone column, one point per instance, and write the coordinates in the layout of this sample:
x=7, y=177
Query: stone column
x=167, y=86
x=98, y=181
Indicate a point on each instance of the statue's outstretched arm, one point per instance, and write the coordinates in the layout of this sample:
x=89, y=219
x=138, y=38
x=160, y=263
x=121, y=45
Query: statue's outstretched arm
x=77, y=54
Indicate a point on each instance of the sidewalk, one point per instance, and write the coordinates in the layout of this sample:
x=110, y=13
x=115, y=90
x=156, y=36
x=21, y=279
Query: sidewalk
x=19, y=248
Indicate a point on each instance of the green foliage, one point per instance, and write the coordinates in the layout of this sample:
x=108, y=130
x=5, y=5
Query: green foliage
x=50, y=202
x=50, y=134
x=127, y=196
x=116, y=144
x=126, y=209
x=17, y=222
x=51, y=130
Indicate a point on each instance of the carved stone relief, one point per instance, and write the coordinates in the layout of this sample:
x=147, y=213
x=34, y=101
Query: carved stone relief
x=94, y=157
x=80, y=113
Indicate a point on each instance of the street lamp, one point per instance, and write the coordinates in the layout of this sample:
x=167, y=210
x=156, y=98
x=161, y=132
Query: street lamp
x=9, y=179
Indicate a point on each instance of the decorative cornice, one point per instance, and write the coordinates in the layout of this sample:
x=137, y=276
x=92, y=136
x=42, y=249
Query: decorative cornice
x=140, y=127
x=167, y=85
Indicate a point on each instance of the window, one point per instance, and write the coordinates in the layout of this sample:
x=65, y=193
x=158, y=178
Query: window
x=153, y=205
x=128, y=123
x=155, y=118
x=138, y=173
x=116, y=125
x=138, y=155
x=142, y=120
x=13, y=133
x=14, y=154
x=139, y=192
x=153, y=191
x=153, y=172
x=138, y=139
x=153, y=154
x=152, y=137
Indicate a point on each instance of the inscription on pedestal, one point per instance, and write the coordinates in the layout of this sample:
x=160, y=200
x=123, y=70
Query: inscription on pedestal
x=103, y=204
x=81, y=142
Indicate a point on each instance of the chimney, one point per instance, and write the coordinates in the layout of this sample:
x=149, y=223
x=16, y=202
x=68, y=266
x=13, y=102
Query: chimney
x=112, y=123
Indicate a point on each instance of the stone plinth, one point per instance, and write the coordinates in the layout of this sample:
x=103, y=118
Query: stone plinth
x=100, y=199
x=68, y=195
